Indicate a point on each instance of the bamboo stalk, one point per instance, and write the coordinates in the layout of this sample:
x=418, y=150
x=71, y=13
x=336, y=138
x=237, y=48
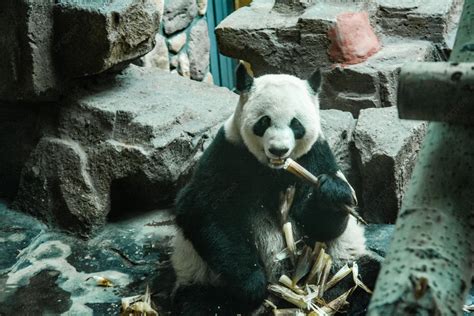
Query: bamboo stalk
x=289, y=239
x=288, y=295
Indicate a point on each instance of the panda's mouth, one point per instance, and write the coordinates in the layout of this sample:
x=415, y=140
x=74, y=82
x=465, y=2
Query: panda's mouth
x=276, y=163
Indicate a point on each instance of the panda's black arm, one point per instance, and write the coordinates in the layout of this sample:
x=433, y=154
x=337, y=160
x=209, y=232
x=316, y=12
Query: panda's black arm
x=223, y=240
x=321, y=211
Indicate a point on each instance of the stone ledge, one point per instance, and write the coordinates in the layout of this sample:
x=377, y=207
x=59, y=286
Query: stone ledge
x=135, y=137
x=374, y=82
x=386, y=149
x=123, y=30
x=26, y=62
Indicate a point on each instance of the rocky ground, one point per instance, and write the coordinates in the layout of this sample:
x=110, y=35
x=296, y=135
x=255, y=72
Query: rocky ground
x=44, y=271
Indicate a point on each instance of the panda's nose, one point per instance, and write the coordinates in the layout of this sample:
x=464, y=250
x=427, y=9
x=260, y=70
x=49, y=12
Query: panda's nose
x=278, y=151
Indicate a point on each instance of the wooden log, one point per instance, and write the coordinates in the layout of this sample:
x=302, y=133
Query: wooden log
x=437, y=92
x=429, y=267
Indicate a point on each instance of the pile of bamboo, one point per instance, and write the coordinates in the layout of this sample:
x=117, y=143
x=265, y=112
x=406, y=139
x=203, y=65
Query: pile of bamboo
x=310, y=280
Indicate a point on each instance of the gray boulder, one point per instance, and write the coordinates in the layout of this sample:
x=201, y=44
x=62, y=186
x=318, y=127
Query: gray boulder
x=386, y=149
x=338, y=127
x=378, y=237
x=123, y=30
x=372, y=83
x=21, y=127
x=159, y=56
x=288, y=6
x=428, y=20
x=198, y=50
x=178, y=15
x=125, y=144
x=26, y=62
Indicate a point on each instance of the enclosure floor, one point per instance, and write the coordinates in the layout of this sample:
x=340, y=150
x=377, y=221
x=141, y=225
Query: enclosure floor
x=43, y=271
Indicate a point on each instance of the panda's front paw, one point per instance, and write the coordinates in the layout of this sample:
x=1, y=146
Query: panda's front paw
x=335, y=191
x=252, y=290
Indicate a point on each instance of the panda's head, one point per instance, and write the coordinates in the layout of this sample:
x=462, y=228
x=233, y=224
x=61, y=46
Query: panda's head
x=277, y=116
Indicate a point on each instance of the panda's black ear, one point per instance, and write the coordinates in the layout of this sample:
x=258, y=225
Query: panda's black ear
x=314, y=81
x=244, y=80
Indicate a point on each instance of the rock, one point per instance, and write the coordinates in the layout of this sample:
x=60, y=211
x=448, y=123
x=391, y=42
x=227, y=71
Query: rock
x=48, y=272
x=177, y=42
x=274, y=42
x=288, y=6
x=174, y=61
x=159, y=56
x=199, y=47
x=16, y=233
x=56, y=180
x=178, y=15
x=20, y=131
x=386, y=148
x=208, y=78
x=374, y=82
x=121, y=145
x=183, y=65
x=352, y=38
x=337, y=128
x=27, y=70
x=202, y=7
x=378, y=237
x=123, y=30
x=427, y=20
x=160, y=5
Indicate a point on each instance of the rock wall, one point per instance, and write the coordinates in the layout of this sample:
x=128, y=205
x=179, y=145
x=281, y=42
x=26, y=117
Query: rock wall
x=124, y=143
x=292, y=37
x=183, y=44
x=46, y=44
x=87, y=137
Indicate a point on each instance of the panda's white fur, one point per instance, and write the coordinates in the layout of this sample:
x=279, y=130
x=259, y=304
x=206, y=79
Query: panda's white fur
x=188, y=265
x=265, y=96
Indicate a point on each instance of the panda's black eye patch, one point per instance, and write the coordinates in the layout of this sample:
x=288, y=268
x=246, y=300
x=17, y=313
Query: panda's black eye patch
x=298, y=128
x=261, y=126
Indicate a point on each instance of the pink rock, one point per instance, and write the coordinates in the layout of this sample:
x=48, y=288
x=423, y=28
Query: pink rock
x=352, y=38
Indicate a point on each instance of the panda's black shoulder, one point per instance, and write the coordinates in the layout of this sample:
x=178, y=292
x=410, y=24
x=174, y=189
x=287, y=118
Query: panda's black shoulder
x=222, y=157
x=219, y=168
x=320, y=158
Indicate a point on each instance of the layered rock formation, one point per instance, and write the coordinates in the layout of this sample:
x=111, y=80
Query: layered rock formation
x=85, y=136
x=183, y=46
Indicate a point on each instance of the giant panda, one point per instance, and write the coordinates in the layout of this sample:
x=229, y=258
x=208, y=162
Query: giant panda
x=228, y=227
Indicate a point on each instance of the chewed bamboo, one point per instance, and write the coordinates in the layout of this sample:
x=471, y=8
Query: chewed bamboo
x=295, y=168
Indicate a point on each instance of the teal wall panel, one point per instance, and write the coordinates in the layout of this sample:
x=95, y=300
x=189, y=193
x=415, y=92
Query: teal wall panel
x=222, y=67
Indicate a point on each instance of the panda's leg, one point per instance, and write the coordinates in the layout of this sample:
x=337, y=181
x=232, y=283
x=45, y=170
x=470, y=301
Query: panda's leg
x=197, y=291
x=202, y=300
x=201, y=291
x=350, y=247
